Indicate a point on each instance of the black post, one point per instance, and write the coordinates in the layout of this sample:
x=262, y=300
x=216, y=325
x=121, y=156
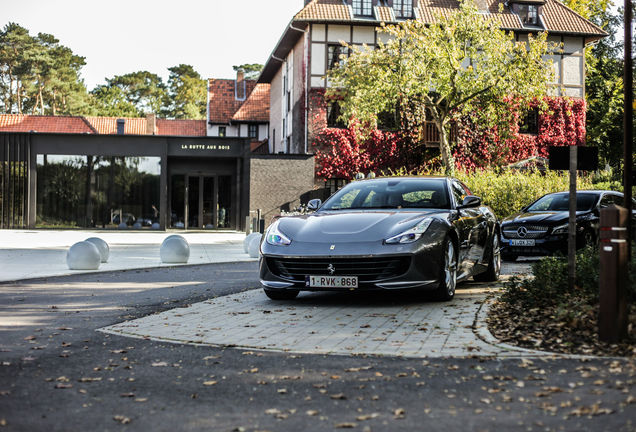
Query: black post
x=628, y=122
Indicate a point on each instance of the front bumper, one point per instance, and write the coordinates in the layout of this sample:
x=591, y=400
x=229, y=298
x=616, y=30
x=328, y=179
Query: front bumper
x=419, y=268
x=548, y=245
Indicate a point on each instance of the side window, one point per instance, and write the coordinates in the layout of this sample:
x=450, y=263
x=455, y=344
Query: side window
x=458, y=192
x=606, y=201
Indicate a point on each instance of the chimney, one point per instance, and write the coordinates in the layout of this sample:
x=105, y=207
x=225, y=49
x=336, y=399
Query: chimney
x=121, y=126
x=240, y=84
x=307, y=2
x=151, y=124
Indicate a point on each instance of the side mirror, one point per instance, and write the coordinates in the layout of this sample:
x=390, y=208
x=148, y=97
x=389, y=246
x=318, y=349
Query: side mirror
x=470, y=201
x=314, y=204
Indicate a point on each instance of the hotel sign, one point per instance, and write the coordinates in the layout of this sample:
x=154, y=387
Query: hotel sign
x=206, y=147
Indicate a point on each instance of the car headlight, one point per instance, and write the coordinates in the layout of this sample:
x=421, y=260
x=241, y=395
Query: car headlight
x=561, y=229
x=411, y=235
x=275, y=237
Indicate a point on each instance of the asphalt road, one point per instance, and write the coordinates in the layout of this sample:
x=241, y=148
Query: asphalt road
x=58, y=373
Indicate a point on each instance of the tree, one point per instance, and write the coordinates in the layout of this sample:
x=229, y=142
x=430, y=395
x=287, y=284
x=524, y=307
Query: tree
x=463, y=63
x=112, y=102
x=252, y=71
x=37, y=74
x=186, y=93
x=143, y=90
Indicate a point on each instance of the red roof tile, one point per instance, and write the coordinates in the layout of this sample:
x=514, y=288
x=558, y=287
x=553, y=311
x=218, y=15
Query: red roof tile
x=256, y=107
x=108, y=125
x=223, y=101
x=556, y=16
x=181, y=127
x=50, y=124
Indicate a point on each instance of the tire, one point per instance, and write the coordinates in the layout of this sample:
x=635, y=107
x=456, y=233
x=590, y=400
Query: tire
x=588, y=239
x=448, y=276
x=281, y=294
x=509, y=257
x=494, y=264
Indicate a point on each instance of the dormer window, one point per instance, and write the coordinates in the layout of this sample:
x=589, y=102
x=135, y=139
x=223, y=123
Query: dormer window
x=529, y=14
x=363, y=8
x=403, y=9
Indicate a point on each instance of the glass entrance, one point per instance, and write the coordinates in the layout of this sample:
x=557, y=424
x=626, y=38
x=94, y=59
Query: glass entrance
x=201, y=202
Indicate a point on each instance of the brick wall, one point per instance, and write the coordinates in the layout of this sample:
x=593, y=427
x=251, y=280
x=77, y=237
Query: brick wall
x=278, y=181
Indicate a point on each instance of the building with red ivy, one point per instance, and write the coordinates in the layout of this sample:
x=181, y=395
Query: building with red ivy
x=311, y=45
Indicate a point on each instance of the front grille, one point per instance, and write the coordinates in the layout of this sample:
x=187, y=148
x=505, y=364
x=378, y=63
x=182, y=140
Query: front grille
x=534, y=231
x=367, y=269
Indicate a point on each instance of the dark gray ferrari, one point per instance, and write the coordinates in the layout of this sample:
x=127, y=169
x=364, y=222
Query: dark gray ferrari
x=388, y=233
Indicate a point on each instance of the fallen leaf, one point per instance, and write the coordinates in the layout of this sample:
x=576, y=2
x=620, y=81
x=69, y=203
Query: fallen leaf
x=209, y=383
x=122, y=419
x=338, y=396
x=159, y=364
x=312, y=412
x=346, y=425
x=399, y=413
x=367, y=416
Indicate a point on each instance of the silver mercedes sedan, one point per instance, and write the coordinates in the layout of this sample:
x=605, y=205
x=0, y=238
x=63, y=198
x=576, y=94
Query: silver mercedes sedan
x=389, y=233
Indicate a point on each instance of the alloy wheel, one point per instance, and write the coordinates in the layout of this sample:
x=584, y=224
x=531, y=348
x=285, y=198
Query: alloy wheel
x=450, y=268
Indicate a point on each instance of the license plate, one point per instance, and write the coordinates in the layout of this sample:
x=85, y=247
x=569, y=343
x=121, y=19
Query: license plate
x=521, y=242
x=331, y=281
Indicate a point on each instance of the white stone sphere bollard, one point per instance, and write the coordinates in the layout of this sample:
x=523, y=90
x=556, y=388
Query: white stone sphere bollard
x=155, y=226
x=254, y=247
x=122, y=226
x=83, y=256
x=174, y=250
x=248, y=239
x=137, y=225
x=102, y=247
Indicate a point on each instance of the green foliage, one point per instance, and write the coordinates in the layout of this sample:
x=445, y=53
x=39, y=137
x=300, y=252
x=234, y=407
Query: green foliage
x=186, y=94
x=462, y=63
x=507, y=191
x=550, y=282
x=604, y=91
x=38, y=75
x=252, y=70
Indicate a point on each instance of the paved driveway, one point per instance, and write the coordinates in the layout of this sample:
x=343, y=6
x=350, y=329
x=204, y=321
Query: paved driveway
x=384, y=323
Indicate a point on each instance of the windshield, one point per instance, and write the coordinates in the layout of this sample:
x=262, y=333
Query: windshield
x=560, y=202
x=391, y=194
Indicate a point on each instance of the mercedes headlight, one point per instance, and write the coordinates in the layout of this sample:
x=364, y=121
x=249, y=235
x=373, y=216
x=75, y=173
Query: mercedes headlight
x=275, y=237
x=411, y=235
x=561, y=229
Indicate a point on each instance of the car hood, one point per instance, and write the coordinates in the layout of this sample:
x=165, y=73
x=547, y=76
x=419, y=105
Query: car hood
x=541, y=218
x=337, y=226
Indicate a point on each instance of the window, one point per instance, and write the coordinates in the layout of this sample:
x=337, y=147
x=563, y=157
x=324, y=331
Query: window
x=362, y=7
x=403, y=9
x=459, y=192
x=335, y=52
x=222, y=131
x=529, y=14
x=333, y=115
x=252, y=131
x=334, y=184
x=529, y=122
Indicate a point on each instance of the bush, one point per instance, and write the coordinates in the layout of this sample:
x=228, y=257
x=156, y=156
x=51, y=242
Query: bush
x=550, y=282
x=507, y=191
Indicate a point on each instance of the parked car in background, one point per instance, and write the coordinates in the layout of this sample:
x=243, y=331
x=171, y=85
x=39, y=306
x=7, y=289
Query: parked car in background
x=390, y=233
x=541, y=228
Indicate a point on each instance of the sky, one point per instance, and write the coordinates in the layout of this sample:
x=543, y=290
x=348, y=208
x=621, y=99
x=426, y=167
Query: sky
x=117, y=37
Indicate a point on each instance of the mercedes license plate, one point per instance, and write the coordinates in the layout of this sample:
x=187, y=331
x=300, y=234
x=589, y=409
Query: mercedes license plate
x=331, y=281
x=521, y=242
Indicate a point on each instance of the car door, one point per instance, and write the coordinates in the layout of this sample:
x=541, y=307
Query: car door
x=468, y=227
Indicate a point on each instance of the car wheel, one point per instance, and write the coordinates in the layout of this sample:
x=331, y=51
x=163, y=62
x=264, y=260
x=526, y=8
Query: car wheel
x=588, y=238
x=494, y=265
x=281, y=294
x=448, y=282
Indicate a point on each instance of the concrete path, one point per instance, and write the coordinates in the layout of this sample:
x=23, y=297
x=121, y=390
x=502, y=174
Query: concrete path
x=39, y=253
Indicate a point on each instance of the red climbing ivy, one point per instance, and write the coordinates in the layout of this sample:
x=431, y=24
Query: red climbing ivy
x=341, y=153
